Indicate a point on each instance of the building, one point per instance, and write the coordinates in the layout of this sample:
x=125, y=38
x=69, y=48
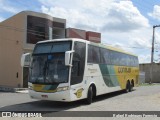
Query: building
x=18, y=35
x=83, y=34
x=156, y=70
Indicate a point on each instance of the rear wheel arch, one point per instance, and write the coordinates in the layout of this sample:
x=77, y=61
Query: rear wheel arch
x=128, y=81
x=128, y=86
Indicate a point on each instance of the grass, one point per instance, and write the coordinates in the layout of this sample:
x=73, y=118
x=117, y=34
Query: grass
x=147, y=84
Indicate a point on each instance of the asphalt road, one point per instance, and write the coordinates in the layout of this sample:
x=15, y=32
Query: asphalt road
x=144, y=98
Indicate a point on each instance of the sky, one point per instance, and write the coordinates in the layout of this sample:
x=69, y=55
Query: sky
x=127, y=24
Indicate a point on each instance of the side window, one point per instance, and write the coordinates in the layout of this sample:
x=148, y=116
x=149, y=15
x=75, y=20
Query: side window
x=90, y=58
x=117, y=58
x=131, y=61
x=112, y=57
x=121, y=59
x=127, y=60
x=78, y=63
x=93, y=54
x=105, y=58
x=135, y=61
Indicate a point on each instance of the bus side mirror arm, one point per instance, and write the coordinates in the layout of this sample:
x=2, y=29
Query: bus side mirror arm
x=25, y=60
x=68, y=58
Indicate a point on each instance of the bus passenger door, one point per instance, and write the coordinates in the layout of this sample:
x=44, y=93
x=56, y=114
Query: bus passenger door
x=78, y=65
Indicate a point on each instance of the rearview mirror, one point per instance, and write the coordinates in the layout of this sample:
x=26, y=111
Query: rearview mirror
x=25, y=60
x=68, y=58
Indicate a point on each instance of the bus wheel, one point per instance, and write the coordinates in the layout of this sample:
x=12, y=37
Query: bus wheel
x=128, y=87
x=90, y=95
x=132, y=85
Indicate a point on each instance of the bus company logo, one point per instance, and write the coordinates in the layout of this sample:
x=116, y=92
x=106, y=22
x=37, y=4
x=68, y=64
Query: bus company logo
x=79, y=93
x=92, y=70
x=124, y=70
x=6, y=114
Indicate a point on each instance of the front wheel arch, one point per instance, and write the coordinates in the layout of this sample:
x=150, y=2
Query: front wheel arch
x=94, y=89
x=91, y=93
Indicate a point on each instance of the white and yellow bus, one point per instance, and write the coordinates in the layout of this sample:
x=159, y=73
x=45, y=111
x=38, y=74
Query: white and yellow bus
x=73, y=69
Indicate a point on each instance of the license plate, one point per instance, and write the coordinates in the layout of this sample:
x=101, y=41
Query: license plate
x=44, y=96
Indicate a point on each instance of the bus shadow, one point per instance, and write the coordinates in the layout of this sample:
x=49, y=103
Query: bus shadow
x=42, y=105
x=108, y=96
x=52, y=106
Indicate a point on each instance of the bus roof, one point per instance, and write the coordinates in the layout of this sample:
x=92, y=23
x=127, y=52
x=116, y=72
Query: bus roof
x=64, y=39
x=88, y=42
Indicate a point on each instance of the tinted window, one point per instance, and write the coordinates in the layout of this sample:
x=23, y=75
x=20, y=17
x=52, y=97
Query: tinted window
x=105, y=56
x=135, y=61
x=122, y=59
x=93, y=54
x=114, y=57
x=43, y=48
x=117, y=58
x=61, y=47
x=54, y=47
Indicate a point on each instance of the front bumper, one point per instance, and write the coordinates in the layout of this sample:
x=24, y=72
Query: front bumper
x=56, y=96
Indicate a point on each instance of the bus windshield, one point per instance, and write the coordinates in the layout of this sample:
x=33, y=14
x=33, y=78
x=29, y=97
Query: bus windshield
x=48, y=63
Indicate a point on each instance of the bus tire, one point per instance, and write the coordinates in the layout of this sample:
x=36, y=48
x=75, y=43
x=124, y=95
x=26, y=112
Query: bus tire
x=132, y=85
x=89, y=95
x=128, y=87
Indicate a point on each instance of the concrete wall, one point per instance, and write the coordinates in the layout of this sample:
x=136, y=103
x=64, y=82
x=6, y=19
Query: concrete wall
x=11, y=36
x=141, y=77
x=156, y=72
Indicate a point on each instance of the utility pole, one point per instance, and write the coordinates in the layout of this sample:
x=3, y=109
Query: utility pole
x=152, y=54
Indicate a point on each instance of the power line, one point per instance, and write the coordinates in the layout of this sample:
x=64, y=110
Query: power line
x=42, y=34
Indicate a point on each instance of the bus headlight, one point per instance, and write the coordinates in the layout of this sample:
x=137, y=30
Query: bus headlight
x=62, y=88
x=30, y=87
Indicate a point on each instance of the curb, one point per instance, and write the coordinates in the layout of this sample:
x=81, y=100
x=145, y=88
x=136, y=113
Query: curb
x=21, y=90
x=10, y=89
